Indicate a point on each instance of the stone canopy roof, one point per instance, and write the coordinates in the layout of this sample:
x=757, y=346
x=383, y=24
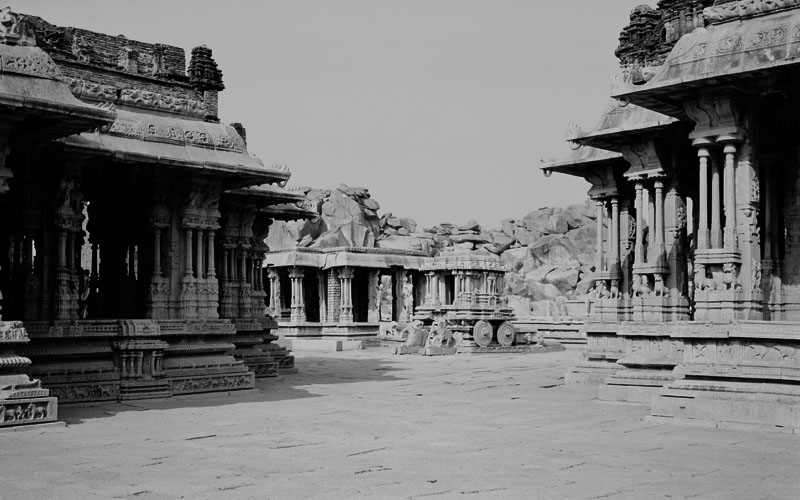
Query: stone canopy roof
x=33, y=95
x=619, y=123
x=722, y=54
x=171, y=141
x=583, y=158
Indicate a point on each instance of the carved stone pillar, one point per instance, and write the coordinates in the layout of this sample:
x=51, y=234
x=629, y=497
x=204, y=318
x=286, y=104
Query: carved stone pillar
x=730, y=196
x=627, y=239
x=658, y=226
x=334, y=296
x=159, y=293
x=614, y=265
x=322, y=288
x=274, y=293
x=67, y=221
x=346, y=309
x=599, y=260
x=716, y=207
x=298, y=312
x=374, y=300
x=639, y=248
x=210, y=271
x=457, y=286
x=189, y=270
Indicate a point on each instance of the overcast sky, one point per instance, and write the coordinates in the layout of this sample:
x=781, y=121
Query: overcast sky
x=441, y=108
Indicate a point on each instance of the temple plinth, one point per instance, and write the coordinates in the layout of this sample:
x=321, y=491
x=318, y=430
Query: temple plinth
x=701, y=140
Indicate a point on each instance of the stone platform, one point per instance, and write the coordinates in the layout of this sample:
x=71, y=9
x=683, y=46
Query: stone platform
x=102, y=360
x=738, y=373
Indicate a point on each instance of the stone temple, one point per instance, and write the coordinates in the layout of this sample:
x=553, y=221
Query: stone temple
x=132, y=224
x=694, y=174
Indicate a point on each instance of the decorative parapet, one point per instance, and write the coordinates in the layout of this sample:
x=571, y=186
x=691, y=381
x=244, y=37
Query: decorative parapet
x=742, y=9
x=94, y=91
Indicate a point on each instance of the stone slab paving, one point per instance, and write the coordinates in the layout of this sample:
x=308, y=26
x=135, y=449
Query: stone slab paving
x=366, y=424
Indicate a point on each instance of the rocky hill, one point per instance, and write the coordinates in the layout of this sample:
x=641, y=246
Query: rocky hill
x=549, y=252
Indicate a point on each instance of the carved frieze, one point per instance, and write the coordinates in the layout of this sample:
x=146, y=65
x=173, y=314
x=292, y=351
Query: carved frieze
x=27, y=411
x=212, y=384
x=12, y=332
x=83, y=393
x=162, y=102
x=94, y=91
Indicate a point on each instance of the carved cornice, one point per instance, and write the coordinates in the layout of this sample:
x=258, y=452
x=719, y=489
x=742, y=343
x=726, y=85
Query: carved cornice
x=187, y=133
x=742, y=9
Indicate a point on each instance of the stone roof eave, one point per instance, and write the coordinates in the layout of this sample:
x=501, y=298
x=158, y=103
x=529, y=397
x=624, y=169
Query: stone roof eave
x=722, y=55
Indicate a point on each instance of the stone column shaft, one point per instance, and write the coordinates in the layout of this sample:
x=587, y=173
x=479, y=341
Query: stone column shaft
x=615, y=264
x=716, y=207
x=323, y=296
x=659, y=246
x=730, y=197
x=132, y=261
x=599, y=260
x=157, y=252
x=189, y=271
x=702, y=223
x=638, y=256
x=211, y=271
x=199, y=253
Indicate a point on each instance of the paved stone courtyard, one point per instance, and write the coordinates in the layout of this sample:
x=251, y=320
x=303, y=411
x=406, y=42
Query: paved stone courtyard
x=366, y=424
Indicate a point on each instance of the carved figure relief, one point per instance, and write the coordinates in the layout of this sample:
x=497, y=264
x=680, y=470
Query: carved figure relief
x=408, y=296
x=659, y=290
x=440, y=335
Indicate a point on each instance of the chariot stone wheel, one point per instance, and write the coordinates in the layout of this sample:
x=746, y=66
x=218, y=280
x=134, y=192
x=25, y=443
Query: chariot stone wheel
x=506, y=334
x=482, y=333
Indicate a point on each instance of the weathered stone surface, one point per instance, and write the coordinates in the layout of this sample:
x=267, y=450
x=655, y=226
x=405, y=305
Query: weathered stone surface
x=472, y=238
x=371, y=204
x=507, y=226
x=564, y=278
x=281, y=236
x=466, y=246
x=585, y=284
x=470, y=226
x=514, y=259
x=331, y=239
x=557, y=224
x=526, y=237
x=553, y=249
x=539, y=274
x=398, y=242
